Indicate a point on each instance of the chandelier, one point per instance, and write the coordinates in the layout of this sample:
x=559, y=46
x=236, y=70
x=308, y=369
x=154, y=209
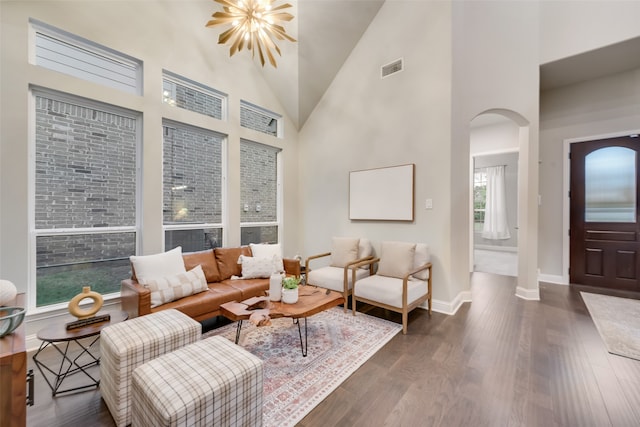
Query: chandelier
x=254, y=24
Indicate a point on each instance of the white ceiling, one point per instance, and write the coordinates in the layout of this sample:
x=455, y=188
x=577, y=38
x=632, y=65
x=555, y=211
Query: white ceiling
x=607, y=60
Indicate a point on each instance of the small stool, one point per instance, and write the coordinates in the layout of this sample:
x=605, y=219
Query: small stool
x=127, y=345
x=209, y=383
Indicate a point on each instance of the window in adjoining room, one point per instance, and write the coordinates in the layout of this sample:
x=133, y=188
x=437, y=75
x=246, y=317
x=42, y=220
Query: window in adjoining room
x=85, y=196
x=183, y=93
x=259, y=193
x=260, y=119
x=192, y=187
x=479, y=199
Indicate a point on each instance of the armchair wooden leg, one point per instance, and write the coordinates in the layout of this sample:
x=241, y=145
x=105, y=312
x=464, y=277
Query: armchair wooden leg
x=353, y=304
x=405, y=317
x=345, y=306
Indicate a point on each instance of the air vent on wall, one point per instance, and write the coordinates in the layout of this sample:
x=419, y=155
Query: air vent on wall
x=392, y=68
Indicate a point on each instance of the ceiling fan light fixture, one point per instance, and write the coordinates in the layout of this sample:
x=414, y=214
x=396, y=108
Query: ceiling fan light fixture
x=255, y=24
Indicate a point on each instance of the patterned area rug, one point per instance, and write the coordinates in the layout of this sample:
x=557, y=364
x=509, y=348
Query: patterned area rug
x=618, y=322
x=338, y=343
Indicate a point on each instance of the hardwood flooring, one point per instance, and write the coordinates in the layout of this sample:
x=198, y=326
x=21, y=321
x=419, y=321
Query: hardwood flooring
x=500, y=361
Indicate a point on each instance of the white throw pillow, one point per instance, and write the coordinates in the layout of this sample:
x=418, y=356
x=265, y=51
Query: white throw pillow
x=171, y=288
x=164, y=264
x=396, y=259
x=422, y=257
x=258, y=267
x=343, y=251
x=266, y=250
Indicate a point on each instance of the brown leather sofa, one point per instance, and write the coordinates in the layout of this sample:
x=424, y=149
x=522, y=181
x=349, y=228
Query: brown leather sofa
x=218, y=265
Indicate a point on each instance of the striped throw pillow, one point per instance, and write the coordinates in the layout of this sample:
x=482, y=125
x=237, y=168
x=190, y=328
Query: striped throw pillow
x=171, y=288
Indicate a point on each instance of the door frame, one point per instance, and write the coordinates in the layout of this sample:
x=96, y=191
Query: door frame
x=566, y=182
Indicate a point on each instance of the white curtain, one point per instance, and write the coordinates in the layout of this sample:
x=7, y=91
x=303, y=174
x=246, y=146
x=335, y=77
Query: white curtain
x=495, y=214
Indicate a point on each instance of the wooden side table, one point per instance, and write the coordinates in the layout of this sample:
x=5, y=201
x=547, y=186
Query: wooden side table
x=58, y=334
x=13, y=375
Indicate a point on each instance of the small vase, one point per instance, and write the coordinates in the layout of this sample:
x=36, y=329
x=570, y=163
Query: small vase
x=74, y=304
x=275, y=287
x=290, y=296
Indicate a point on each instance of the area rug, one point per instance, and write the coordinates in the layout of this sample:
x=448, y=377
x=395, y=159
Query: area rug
x=618, y=322
x=338, y=343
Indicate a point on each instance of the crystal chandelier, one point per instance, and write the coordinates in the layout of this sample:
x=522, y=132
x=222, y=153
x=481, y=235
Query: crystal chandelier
x=254, y=24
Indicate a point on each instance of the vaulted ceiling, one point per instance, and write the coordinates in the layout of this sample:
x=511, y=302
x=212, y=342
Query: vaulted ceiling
x=327, y=31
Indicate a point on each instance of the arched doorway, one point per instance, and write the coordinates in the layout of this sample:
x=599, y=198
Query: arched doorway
x=527, y=200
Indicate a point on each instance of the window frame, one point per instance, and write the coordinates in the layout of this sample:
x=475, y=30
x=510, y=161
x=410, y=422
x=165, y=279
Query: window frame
x=198, y=87
x=223, y=184
x=279, y=196
x=33, y=92
x=263, y=111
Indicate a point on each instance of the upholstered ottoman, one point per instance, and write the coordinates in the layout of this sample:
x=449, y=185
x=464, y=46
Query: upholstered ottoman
x=127, y=345
x=209, y=383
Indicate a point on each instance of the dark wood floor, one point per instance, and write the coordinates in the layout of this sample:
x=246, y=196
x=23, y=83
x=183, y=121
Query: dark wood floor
x=500, y=361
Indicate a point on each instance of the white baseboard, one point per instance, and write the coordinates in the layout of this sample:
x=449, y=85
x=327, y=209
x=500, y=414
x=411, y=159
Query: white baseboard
x=528, y=294
x=450, y=307
x=31, y=342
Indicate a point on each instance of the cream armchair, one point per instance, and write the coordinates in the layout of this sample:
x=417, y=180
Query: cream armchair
x=402, y=282
x=337, y=276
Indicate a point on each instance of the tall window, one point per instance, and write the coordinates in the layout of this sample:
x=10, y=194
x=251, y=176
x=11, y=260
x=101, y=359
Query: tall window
x=192, y=187
x=85, y=196
x=260, y=193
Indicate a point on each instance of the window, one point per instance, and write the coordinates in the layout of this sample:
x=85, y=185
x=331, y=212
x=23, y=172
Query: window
x=259, y=119
x=60, y=51
x=192, y=187
x=479, y=199
x=85, y=196
x=184, y=93
x=610, y=185
x=260, y=193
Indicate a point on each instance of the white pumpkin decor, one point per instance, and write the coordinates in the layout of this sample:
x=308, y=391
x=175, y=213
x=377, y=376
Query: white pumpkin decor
x=8, y=292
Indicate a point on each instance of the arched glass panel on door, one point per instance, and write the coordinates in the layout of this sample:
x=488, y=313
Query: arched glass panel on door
x=610, y=185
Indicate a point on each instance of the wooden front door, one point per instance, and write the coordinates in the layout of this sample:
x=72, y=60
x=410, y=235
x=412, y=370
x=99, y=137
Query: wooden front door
x=604, y=227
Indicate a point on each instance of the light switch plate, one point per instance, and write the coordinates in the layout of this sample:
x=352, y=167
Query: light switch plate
x=428, y=204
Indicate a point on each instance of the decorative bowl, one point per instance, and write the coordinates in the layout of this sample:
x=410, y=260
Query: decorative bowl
x=10, y=319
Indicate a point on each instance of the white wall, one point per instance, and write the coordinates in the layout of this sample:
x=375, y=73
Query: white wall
x=605, y=106
x=365, y=122
x=495, y=67
x=493, y=138
x=163, y=34
x=571, y=27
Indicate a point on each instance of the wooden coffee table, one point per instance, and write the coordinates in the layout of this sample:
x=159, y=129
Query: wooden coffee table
x=311, y=300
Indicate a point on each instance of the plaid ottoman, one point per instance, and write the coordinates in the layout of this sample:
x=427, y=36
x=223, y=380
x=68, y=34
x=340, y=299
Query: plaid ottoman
x=127, y=345
x=210, y=383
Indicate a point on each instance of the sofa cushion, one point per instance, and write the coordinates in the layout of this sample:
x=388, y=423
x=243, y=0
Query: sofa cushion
x=396, y=259
x=145, y=267
x=171, y=288
x=259, y=267
x=201, y=306
x=207, y=260
x=343, y=251
x=266, y=250
x=248, y=287
x=227, y=259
